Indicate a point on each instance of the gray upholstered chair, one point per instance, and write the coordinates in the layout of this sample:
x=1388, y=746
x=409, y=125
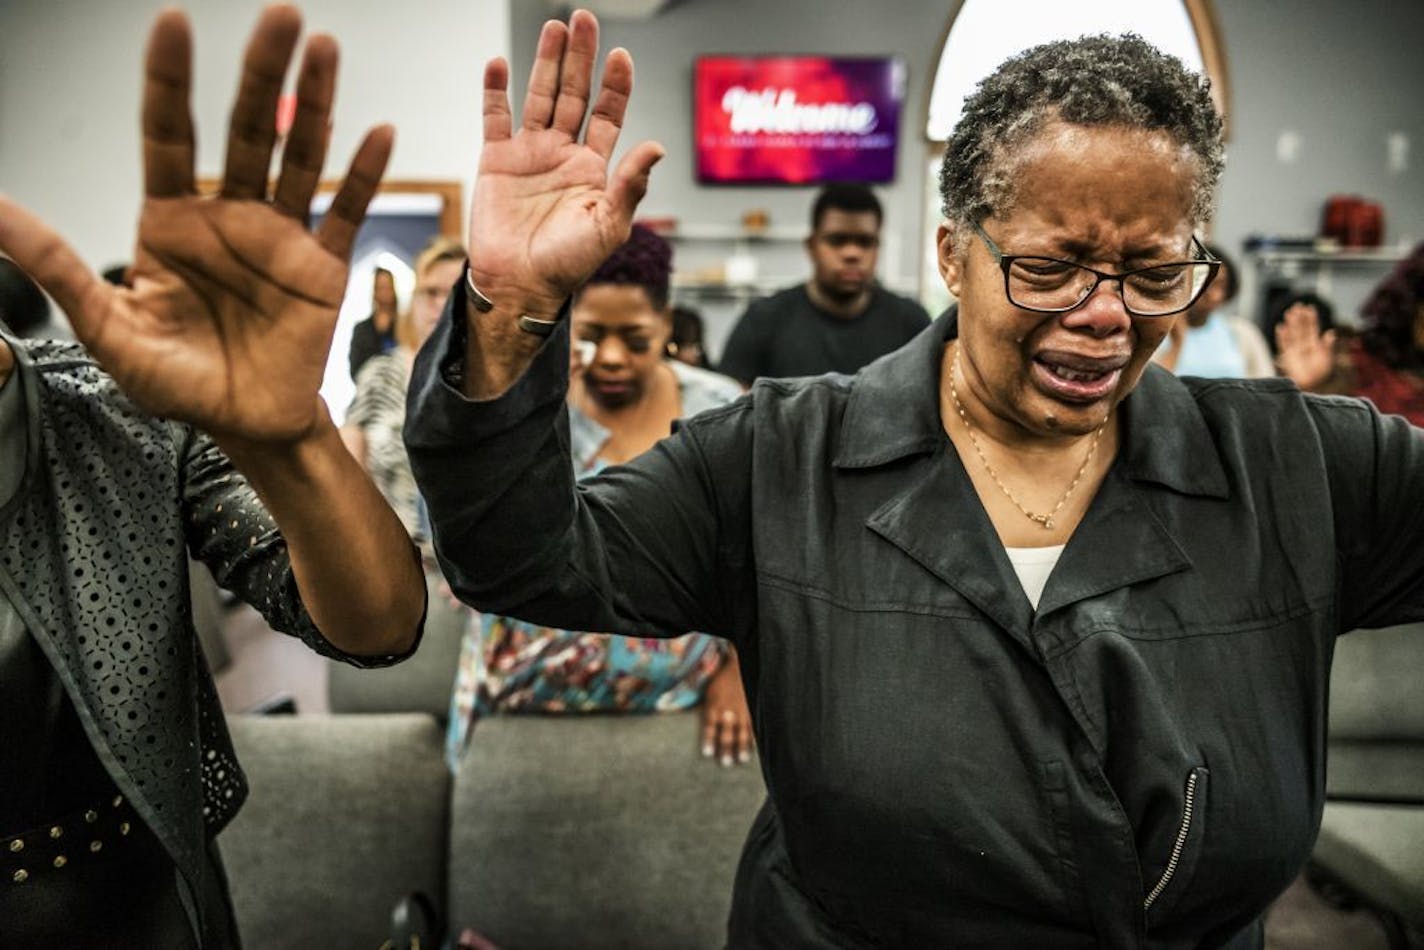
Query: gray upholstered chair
x=347, y=815
x=1372, y=835
x=596, y=831
x=567, y=832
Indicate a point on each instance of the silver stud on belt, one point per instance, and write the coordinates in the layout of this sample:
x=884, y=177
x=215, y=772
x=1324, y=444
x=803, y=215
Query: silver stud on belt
x=54, y=858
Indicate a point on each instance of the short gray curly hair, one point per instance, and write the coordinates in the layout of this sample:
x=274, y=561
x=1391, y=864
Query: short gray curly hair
x=1093, y=80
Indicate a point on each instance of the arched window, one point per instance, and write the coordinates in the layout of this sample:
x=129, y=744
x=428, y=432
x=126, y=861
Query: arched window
x=983, y=33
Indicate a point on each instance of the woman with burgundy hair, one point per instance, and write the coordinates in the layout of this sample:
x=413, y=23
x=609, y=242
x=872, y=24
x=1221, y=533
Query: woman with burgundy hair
x=624, y=396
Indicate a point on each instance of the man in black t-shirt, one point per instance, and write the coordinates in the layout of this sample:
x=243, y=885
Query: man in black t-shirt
x=841, y=318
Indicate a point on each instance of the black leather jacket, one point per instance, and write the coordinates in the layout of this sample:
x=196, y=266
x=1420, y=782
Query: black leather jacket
x=93, y=555
x=1138, y=763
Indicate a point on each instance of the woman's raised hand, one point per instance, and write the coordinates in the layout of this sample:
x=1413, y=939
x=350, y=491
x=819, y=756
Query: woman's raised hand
x=1305, y=355
x=233, y=299
x=546, y=211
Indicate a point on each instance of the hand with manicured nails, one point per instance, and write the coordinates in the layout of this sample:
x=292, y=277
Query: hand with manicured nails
x=726, y=721
x=233, y=300
x=546, y=212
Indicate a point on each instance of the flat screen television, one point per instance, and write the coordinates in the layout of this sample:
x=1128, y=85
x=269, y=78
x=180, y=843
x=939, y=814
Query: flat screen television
x=796, y=120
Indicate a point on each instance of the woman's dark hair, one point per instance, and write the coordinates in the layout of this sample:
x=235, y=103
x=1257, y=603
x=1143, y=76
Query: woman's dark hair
x=687, y=330
x=644, y=260
x=1393, y=315
x=686, y=325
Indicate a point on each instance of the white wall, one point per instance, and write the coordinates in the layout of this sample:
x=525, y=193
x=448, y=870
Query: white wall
x=70, y=73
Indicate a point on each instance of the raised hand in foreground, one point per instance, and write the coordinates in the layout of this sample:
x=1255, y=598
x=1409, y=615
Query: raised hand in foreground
x=233, y=300
x=230, y=315
x=546, y=211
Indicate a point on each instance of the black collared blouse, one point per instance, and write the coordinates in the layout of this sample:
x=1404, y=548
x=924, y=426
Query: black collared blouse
x=1139, y=763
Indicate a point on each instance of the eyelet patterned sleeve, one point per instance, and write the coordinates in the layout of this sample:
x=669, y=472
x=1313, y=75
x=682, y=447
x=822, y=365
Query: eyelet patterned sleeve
x=230, y=531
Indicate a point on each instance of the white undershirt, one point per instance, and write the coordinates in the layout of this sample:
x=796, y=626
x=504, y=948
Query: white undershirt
x=1033, y=565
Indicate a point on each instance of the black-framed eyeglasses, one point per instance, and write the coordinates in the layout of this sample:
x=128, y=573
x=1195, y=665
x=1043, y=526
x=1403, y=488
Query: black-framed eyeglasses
x=1050, y=285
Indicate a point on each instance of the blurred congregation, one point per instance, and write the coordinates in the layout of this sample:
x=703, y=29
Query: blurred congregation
x=410, y=543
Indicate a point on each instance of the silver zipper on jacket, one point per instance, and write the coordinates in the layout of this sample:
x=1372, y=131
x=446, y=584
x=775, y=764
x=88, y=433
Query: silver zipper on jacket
x=1188, y=806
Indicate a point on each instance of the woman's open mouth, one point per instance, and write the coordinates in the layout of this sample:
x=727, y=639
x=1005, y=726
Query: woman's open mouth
x=1075, y=378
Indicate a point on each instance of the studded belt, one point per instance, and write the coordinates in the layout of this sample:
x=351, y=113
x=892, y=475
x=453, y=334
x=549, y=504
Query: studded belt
x=80, y=836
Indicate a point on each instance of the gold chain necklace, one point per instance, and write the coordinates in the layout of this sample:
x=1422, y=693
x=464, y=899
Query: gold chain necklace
x=1045, y=520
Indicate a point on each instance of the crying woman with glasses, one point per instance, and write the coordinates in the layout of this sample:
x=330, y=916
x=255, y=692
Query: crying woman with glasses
x=1036, y=636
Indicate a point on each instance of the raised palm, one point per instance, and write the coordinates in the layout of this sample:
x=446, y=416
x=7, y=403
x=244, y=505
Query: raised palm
x=1305, y=355
x=546, y=212
x=232, y=300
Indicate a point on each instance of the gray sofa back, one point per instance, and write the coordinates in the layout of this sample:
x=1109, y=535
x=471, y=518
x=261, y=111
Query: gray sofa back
x=597, y=831
x=558, y=832
x=1377, y=715
x=347, y=814
x=1372, y=833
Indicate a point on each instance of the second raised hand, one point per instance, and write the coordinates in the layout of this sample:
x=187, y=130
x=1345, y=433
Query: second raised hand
x=546, y=210
x=1305, y=355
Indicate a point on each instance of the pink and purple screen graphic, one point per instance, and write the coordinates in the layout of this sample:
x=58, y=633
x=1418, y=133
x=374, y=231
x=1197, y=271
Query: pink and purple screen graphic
x=796, y=119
